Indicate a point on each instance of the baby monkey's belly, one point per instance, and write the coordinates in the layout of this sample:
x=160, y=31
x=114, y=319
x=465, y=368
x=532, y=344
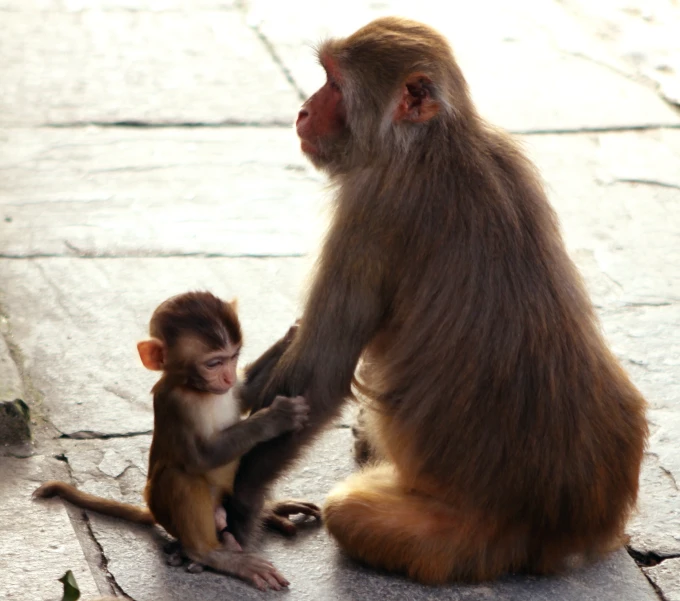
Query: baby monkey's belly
x=221, y=480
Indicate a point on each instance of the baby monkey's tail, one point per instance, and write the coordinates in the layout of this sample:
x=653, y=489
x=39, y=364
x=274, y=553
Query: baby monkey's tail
x=125, y=511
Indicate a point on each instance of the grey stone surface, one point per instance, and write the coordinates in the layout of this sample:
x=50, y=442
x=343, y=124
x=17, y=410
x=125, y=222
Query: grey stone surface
x=127, y=192
x=72, y=317
x=79, y=6
x=190, y=65
x=520, y=76
x=643, y=35
x=38, y=542
x=115, y=468
x=311, y=561
x=666, y=576
x=158, y=202
x=620, y=217
x=619, y=204
x=655, y=529
x=78, y=322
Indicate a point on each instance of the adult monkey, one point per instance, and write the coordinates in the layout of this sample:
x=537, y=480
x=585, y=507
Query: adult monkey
x=510, y=436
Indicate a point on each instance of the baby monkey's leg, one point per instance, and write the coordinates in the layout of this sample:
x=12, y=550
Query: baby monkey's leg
x=227, y=538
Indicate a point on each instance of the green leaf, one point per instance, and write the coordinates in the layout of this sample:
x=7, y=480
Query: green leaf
x=71, y=590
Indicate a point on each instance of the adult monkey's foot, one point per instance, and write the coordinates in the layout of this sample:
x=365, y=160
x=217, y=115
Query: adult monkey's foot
x=276, y=514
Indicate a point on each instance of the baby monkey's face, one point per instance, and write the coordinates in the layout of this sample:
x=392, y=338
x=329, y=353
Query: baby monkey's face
x=217, y=368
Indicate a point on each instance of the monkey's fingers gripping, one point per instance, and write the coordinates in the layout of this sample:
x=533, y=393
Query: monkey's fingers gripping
x=277, y=515
x=295, y=411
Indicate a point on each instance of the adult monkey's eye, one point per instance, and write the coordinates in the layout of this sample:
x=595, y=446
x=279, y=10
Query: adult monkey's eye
x=334, y=86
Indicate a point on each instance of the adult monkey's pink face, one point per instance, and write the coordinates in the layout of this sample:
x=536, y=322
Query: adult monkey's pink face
x=322, y=119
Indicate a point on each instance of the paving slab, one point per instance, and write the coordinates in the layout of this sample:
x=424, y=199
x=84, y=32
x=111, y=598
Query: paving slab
x=38, y=541
x=71, y=197
x=311, y=560
x=619, y=218
x=644, y=35
x=116, y=64
x=77, y=330
x=646, y=339
x=522, y=80
x=129, y=191
x=655, y=528
x=666, y=576
x=77, y=322
x=77, y=6
x=621, y=221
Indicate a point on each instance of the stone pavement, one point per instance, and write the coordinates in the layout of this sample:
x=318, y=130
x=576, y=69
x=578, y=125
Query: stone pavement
x=146, y=149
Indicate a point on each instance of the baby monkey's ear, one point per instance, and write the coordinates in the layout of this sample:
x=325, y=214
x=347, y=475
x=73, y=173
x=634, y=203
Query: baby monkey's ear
x=152, y=353
x=233, y=303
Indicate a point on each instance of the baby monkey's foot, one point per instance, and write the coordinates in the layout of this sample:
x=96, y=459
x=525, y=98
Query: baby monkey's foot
x=228, y=541
x=173, y=551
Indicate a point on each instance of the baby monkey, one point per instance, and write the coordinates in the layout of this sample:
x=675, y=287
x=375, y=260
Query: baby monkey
x=195, y=341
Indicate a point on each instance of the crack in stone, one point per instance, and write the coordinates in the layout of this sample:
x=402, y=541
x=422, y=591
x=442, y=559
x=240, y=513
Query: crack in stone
x=655, y=587
x=121, y=395
x=74, y=248
x=670, y=475
x=649, y=559
x=94, y=435
x=648, y=304
x=641, y=364
x=104, y=562
x=81, y=254
x=80, y=11
x=637, y=78
x=613, y=280
x=278, y=61
x=279, y=123
x=646, y=182
x=595, y=129
x=140, y=124
x=58, y=295
x=82, y=519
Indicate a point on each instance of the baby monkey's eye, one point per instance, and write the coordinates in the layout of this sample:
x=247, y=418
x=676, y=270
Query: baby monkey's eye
x=214, y=363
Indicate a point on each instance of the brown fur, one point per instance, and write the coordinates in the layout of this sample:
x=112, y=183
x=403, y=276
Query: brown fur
x=185, y=486
x=124, y=511
x=512, y=437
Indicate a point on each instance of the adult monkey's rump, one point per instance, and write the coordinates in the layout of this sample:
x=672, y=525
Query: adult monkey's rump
x=510, y=436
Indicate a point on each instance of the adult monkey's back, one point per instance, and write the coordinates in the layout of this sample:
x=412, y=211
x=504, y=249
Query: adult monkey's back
x=512, y=438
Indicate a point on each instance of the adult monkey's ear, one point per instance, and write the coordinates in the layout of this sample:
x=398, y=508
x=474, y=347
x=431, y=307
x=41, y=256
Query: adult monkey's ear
x=152, y=354
x=233, y=303
x=416, y=104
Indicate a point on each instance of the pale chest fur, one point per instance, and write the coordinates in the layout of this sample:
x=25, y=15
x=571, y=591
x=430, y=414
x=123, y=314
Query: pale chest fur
x=216, y=413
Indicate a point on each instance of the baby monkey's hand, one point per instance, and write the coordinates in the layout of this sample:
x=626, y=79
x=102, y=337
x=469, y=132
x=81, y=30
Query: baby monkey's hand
x=292, y=412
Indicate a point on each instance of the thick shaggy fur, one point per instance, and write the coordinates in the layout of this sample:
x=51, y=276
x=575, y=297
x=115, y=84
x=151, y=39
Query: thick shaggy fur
x=511, y=439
